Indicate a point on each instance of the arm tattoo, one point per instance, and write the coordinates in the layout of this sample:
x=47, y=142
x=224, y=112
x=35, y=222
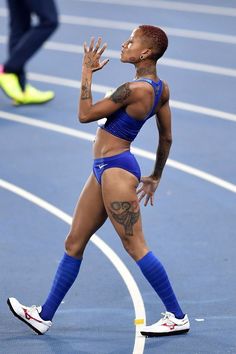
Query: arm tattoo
x=162, y=155
x=161, y=158
x=126, y=214
x=121, y=94
x=85, y=90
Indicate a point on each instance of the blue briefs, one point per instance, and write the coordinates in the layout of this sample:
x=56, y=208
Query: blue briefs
x=125, y=160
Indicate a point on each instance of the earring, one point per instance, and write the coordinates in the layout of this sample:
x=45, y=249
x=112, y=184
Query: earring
x=141, y=57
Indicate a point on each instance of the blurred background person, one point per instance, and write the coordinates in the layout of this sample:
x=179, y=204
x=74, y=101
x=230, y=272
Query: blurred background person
x=25, y=38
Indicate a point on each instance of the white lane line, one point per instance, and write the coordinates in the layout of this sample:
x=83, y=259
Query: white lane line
x=115, y=54
x=190, y=170
x=55, y=80
x=200, y=35
x=182, y=64
x=129, y=26
x=203, y=110
x=193, y=66
x=140, y=152
x=103, y=89
x=173, y=6
x=106, y=250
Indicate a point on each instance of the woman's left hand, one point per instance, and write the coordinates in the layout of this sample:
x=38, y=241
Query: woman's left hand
x=147, y=189
x=92, y=55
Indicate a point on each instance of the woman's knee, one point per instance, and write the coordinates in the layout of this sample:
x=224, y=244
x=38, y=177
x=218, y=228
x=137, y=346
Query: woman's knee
x=73, y=246
x=135, y=248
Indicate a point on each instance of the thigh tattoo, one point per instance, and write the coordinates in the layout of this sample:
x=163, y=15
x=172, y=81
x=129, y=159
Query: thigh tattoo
x=126, y=214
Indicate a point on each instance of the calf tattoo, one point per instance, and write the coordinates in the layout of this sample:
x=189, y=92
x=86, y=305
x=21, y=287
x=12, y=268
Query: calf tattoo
x=126, y=214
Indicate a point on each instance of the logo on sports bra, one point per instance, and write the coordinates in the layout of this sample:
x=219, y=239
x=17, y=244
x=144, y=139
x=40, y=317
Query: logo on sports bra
x=102, y=165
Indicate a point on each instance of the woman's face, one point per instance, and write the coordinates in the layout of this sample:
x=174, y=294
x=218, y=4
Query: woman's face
x=133, y=47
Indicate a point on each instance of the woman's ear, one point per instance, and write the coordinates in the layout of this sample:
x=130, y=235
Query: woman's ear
x=145, y=54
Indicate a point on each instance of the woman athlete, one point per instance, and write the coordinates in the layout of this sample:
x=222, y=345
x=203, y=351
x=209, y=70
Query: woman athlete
x=110, y=191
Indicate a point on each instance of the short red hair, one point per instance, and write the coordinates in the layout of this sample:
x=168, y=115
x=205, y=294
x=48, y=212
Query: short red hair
x=157, y=38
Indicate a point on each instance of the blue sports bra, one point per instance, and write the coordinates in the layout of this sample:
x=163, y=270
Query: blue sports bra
x=126, y=127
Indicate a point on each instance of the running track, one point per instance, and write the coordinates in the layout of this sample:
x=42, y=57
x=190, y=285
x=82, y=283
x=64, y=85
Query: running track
x=46, y=158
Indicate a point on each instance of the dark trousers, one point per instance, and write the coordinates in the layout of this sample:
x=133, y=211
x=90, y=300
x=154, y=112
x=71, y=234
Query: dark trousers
x=24, y=38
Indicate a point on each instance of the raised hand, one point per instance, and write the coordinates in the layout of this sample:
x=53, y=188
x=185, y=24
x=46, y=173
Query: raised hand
x=147, y=189
x=93, y=54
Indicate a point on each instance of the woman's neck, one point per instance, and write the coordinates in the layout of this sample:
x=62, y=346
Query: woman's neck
x=147, y=70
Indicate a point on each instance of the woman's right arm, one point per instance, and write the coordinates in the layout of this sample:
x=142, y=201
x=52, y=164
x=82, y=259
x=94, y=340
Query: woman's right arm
x=163, y=119
x=124, y=95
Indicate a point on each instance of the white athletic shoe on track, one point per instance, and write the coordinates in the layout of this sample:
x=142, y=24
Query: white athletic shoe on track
x=166, y=326
x=29, y=315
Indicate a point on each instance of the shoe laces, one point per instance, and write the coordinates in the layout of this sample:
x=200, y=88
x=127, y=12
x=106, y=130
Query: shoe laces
x=166, y=317
x=33, y=308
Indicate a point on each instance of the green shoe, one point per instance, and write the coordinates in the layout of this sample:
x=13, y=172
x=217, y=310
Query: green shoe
x=33, y=96
x=9, y=83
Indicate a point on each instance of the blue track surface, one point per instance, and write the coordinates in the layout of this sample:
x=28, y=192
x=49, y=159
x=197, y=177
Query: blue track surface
x=191, y=227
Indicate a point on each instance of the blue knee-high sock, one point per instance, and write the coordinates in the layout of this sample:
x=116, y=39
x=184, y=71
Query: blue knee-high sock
x=66, y=274
x=155, y=273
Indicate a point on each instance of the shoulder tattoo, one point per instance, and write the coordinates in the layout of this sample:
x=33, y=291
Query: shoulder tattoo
x=121, y=94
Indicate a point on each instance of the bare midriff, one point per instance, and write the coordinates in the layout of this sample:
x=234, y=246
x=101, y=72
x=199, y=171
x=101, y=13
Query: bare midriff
x=106, y=144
